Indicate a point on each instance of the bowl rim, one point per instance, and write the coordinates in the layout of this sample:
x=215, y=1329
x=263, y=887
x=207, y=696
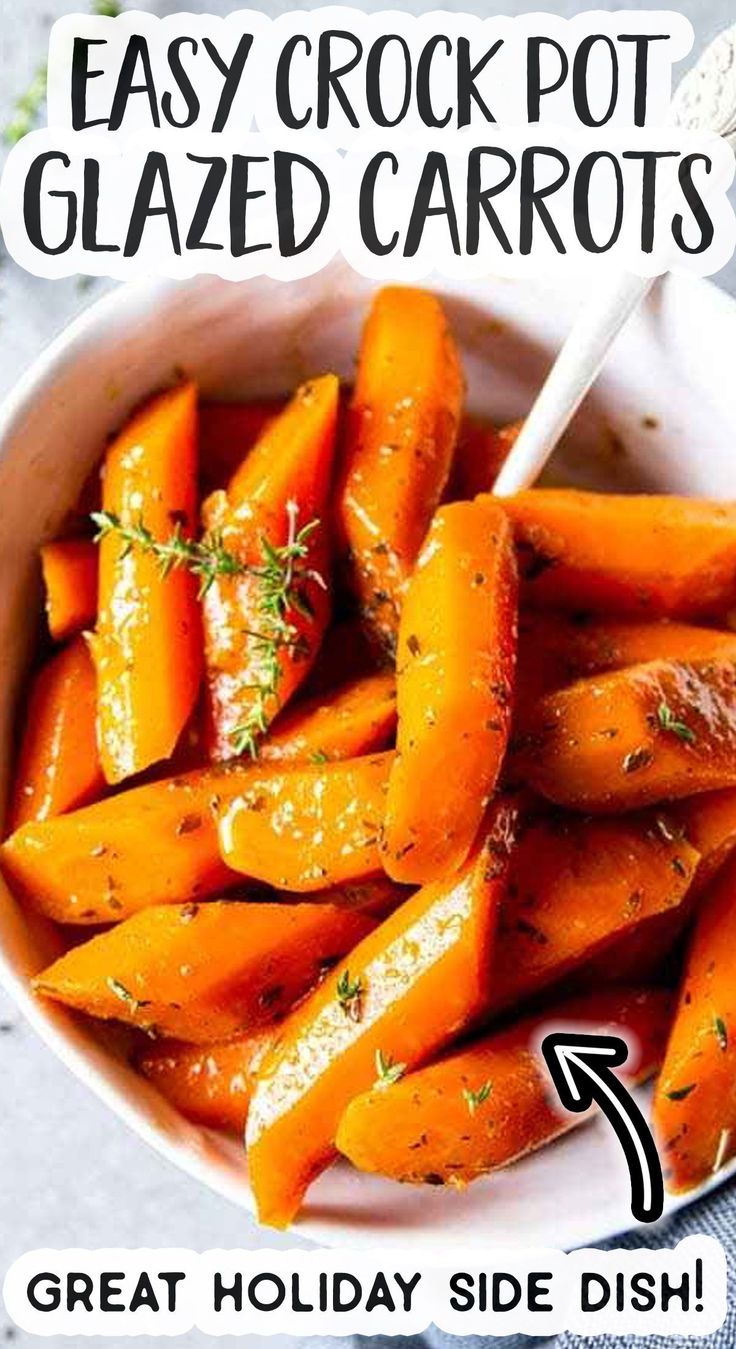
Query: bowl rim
x=53, y=1026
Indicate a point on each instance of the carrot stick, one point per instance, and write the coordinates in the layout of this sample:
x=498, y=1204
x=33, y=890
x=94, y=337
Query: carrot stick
x=147, y=647
x=575, y=885
x=649, y=733
x=262, y=633
x=480, y=453
x=708, y=822
x=204, y=972
x=555, y=650
x=358, y=718
x=212, y=1084
x=694, y=1112
x=227, y=431
x=58, y=764
x=406, y=990
x=455, y=661
x=642, y=556
x=485, y=1106
x=310, y=826
x=70, y=570
x=400, y=436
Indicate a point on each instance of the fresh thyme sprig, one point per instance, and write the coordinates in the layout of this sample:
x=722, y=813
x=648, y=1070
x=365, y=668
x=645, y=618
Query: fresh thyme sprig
x=283, y=591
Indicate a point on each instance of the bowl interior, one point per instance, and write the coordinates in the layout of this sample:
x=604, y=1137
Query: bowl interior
x=662, y=417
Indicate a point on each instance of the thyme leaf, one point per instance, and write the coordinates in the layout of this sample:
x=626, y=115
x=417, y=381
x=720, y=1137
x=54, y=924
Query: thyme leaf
x=350, y=995
x=387, y=1072
x=473, y=1099
x=668, y=722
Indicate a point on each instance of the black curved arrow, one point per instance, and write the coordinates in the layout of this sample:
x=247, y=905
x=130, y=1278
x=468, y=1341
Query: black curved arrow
x=580, y=1067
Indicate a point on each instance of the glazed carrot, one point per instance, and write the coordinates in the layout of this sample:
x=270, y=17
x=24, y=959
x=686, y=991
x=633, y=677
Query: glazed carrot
x=694, y=1112
x=210, y=1085
x=227, y=431
x=644, y=556
x=307, y=827
x=400, y=436
x=479, y=454
x=263, y=628
x=403, y=993
x=455, y=662
x=577, y=884
x=204, y=972
x=485, y=1106
x=708, y=822
x=358, y=718
x=555, y=649
x=147, y=646
x=652, y=732
x=70, y=570
x=58, y=764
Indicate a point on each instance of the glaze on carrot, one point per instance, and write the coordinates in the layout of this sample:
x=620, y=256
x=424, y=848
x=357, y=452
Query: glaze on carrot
x=401, y=430
x=307, y=827
x=204, y=972
x=649, y=733
x=485, y=1106
x=357, y=718
x=641, y=556
x=58, y=765
x=455, y=672
x=694, y=1113
x=212, y=1084
x=70, y=576
x=257, y=651
x=396, y=999
x=147, y=647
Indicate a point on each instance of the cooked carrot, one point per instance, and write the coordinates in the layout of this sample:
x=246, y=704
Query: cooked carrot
x=345, y=654
x=645, y=556
x=708, y=822
x=648, y=733
x=70, y=570
x=479, y=454
x=211, y=1084
x=694, y=1112
x=148, y=644
x=157, y=843
x=262, y=632
x=58, y=764
x=227, y=431
x=556, y=649
x=577, y=884
x=455, y=661
x=403, y=993
x=487, y=1105
x=358, y=718
x=400, y=436
x=307, y=827
x=204, y=972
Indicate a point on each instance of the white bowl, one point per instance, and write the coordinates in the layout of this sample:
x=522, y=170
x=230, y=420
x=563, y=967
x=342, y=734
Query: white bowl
x=674, y=364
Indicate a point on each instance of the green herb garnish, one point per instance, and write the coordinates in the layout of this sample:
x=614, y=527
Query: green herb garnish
x=387, y=1071
x=721, y=1030
x=350, y=995
x=668, y=722
x=125, y=995
x=680, y=1093
x=475, y=1098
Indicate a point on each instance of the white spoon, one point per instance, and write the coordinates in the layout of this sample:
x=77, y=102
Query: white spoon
x=705, y=99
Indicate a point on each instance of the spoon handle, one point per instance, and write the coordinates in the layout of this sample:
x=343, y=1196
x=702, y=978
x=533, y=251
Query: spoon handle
x=576, y=367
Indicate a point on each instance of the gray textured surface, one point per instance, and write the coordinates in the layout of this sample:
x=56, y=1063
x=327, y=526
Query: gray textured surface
x=70, y=1173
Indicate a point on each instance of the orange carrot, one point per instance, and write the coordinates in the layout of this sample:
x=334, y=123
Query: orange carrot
x=456, y=653
x=400, y=436
x=258, y=647
x=480, y=452
x=210, y=1085
x=307, y=827
x=147, y=647
x=345, y=654
x=708, y=822
x=487, y=1105
x=204, y=972
x=574, y=886
x=644, y=556
x=649, y=733
x=227, y=431
x=404, y=992
x=356, y=719
x=555, y=649
x=695, y=1105
x=70, y=570
x=58, y=764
